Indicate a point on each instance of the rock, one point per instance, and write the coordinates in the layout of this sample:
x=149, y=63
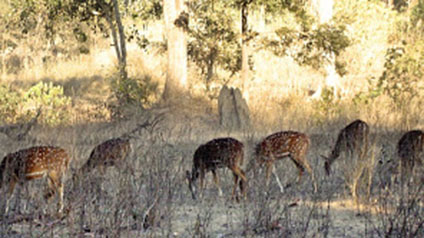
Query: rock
x=233, y=110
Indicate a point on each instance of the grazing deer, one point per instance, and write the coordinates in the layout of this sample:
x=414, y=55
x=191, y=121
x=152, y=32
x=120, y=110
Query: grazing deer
x=410, y=151
x=351, y=139
x=109, y=153
x=284, y=144
x=113, y=152
x=217, y=153
x=35, y=163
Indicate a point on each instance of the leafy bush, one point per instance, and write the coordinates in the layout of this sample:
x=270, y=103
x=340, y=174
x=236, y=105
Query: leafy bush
x=51, y=99
x=9, y=101
x=134, y=91
x=327, y=106
x=213, y=41
x=20, y=107
x=403, y=72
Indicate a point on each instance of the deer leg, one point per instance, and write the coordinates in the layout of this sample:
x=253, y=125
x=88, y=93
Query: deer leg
x=274, y=171
x=299, y=178
x=353, y=190
x=239, y=176
x=52, y=187
x=302, y=165
x=369, y=174
x=216, y=180
x=268, y=172
x=9, y=193
x=56, y=187
x=202, y=180
x=60, y=189
x=243, y=183
x=311, y=172
x=236, y=179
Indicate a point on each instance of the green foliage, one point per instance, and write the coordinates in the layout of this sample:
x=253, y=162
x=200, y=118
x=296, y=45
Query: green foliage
x=400, y=80
x=43, y=28
x=9, y=102
x=20, y=107
x=146, y=10
x=373, y=92
x=403, y=75
x=213, y=41
x=278, y=8
x=53, y=102
x=134, y=91
x=417, y=17
x=310, y=47
x=327, y=106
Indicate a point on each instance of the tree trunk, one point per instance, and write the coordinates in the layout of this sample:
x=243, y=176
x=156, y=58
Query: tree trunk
x=176, y=78
x=113, y=18
x=244, y=44
x=122, y=46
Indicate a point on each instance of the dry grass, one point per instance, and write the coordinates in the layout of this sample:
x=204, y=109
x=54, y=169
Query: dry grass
x=149, y=196
x=152, y=200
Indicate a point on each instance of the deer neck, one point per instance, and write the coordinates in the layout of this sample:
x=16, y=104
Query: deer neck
x=333, y=156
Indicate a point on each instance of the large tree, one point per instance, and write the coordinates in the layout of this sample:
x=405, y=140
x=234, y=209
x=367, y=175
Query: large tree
x=176, y=78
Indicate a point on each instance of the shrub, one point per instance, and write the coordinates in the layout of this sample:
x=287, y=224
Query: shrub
x=403, y=72
x=51, y=99
x=9, y=101
x=16, y=106
x=139, y=91
x=327, y=105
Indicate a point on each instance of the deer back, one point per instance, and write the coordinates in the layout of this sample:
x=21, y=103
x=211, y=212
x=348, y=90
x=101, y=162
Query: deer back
x=35, y=162
x=218, y=153
x=351, y=138
x=410, y=146
x=281, y=144
x=108, y=153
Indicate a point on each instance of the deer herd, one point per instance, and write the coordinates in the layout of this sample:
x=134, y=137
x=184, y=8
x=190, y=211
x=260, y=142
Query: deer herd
x=53, y=162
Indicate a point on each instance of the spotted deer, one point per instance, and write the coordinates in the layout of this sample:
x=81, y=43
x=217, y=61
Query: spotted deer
x=112, y=152
x=215, y=154
x=410, y=151
x=351, y=139
x=36, y=163
x=280, y=145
